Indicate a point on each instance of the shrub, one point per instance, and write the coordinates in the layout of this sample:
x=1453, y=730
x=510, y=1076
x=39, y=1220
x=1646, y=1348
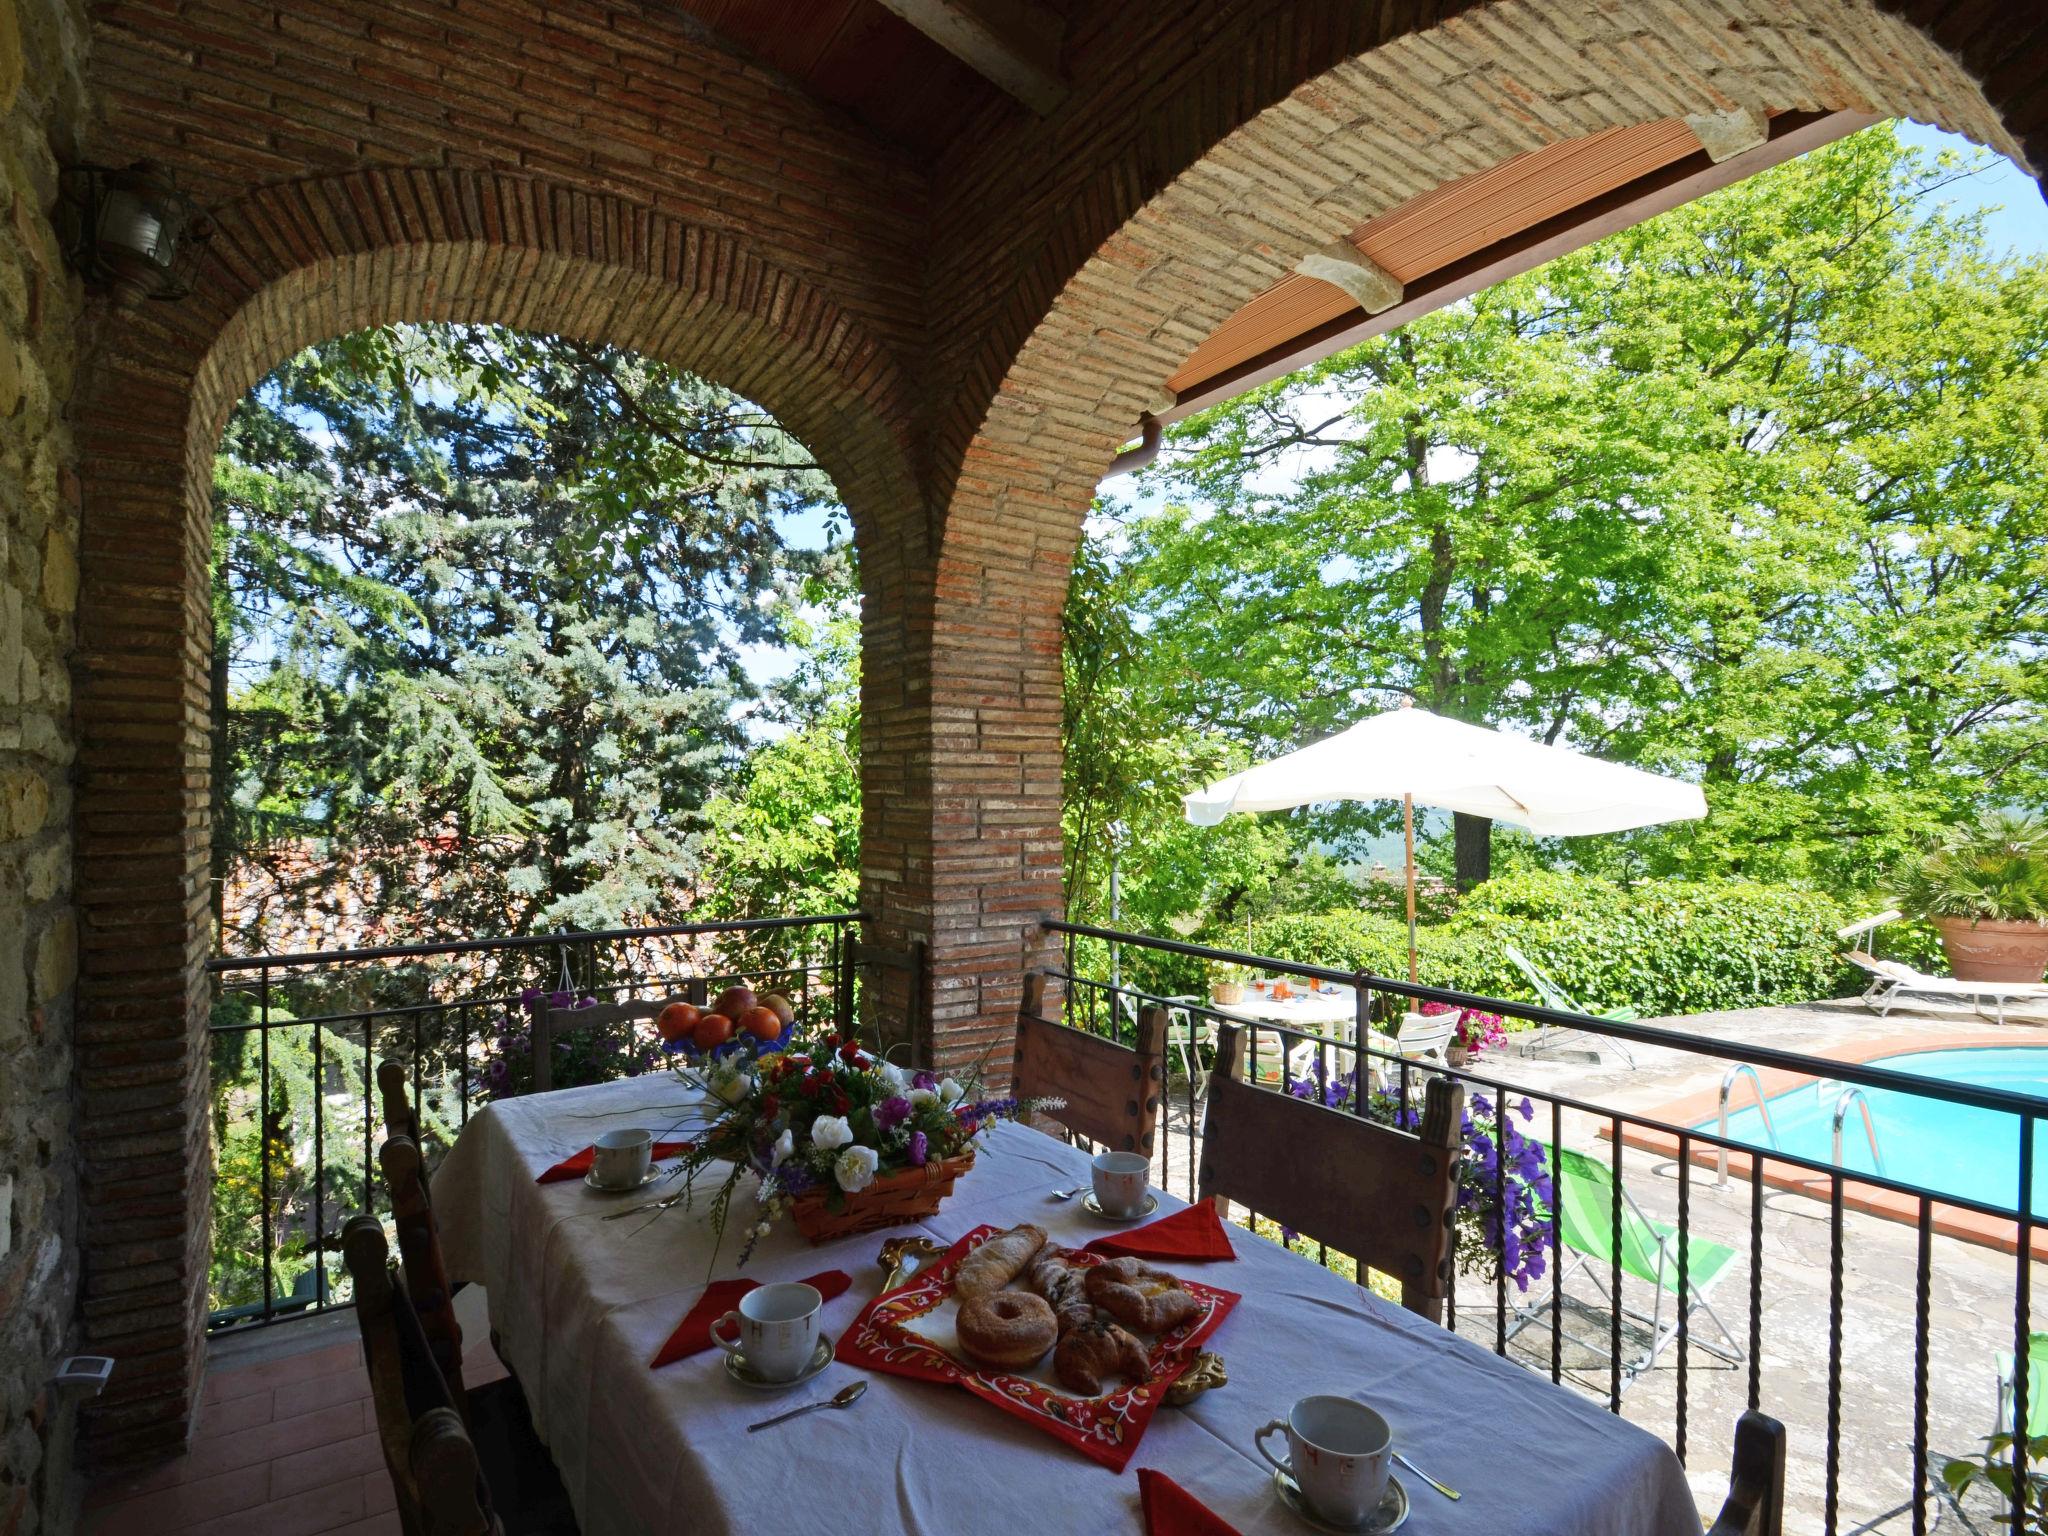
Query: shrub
x=1660, y=948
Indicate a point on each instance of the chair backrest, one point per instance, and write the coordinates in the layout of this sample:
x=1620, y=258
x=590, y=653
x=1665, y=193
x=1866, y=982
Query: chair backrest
x=1113, y=1092
x=419, y=1249
x=1427, y=1034
x=550, y=1024
x=1756, y=1480
x=1584, y=1201
x=433, y=1465
x=1546, y=990
x=400, y=1117
x=1379, y=1194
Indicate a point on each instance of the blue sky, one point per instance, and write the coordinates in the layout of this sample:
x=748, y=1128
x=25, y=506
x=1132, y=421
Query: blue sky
x=2020, y=221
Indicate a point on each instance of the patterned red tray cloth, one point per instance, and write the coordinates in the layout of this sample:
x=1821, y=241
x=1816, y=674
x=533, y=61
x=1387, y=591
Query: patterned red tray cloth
x=906, y=1332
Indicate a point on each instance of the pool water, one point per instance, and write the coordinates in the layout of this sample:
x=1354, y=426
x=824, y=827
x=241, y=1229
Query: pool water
x=1954, y=1148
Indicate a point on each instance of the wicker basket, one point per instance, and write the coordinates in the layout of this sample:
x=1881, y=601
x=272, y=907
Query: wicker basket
x=1226, y=992
x=892, y=1200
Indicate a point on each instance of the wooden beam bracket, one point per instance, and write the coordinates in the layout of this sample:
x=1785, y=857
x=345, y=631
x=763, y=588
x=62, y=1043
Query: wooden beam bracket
x=1724, y=135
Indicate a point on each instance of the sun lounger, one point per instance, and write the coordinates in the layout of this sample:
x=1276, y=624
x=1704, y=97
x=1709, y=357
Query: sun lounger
x=1894, y=984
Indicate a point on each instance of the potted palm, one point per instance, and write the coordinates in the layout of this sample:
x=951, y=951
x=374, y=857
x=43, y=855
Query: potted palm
x=1984, y=886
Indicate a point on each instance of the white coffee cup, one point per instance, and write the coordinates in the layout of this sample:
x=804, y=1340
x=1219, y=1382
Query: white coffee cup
x=1339, y=1453
x=622, y=1158
x=1119, y=1179
x=775, y=1328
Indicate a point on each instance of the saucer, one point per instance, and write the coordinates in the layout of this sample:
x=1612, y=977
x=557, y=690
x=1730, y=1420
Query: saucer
x=1392, y=1512
x=1094, y=1208
x=590, y=1181
x=737, y=1368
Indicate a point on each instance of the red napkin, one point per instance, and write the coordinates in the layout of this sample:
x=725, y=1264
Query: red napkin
x=578, y=1166
x=693, y=1333
x=1195, y=1233
x=1170, y=1510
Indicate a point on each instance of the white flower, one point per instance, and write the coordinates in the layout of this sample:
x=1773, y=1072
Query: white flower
x=829, y=1131
x=922, y=1098
x=893, y=1075
x=950, y=1092
x=731, y=1087
x=784, y=1148
x=855, y=1169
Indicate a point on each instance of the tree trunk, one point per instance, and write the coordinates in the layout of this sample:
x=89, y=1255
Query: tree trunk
x=1472, y=839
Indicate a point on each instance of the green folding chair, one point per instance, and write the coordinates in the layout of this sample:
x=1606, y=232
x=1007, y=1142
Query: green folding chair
x=1550, y=995
x=1649, y=1253
x=2037, y=1388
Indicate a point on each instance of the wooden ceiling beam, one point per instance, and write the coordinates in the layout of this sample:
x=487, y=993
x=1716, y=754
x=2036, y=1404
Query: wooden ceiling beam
x=1013, y=44
x=1790, y=134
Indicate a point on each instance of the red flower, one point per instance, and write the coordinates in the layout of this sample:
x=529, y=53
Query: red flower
x=769, y=1105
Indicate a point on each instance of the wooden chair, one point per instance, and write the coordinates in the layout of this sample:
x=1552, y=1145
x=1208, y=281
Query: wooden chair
x=1756, y=1482
x=1379, y=1194
x=1113, y=1092
x=400, y=1117
x=550, y=1024
x=433, y=1464
x=419, y=1249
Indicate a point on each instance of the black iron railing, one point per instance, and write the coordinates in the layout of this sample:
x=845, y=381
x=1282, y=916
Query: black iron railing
x=296, y=1039
x=1314, y=1063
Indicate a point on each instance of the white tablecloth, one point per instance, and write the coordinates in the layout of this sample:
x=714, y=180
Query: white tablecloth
x=581, y=1306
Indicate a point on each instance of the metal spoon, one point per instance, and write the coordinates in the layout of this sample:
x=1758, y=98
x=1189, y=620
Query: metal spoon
x=845, y=1397
x=1443, y=1488
x=1066, y=1194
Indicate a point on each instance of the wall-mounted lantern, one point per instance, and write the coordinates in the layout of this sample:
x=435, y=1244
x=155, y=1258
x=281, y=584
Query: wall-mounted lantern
x=133, y=233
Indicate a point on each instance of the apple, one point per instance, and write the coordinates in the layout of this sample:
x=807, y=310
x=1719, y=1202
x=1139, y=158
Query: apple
x=678, y=1021
x=734, y=1001
x=762, y=1022
x=713, y=1029
x=780, y=1005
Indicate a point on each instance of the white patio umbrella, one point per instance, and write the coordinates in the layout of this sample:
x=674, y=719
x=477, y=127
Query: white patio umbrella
x=1425, y=759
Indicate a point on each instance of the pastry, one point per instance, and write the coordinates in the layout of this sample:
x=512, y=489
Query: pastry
x=1095, y=1351
x=1056, y=1277
x=997, y=1262
x=1009, y=1330
x=1140, y=1297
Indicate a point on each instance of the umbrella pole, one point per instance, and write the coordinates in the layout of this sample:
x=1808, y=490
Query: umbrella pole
x=1408, y=836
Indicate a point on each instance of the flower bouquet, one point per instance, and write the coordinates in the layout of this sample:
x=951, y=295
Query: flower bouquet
x=841, y=1141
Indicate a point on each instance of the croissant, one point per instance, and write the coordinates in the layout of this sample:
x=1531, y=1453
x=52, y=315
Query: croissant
x=997, y=1262
x=1140, y=1297
x=1095, y=1351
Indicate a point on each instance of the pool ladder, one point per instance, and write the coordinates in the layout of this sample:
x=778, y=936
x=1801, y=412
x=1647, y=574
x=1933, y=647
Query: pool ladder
x=1763, y=1108
x=1850, y=1096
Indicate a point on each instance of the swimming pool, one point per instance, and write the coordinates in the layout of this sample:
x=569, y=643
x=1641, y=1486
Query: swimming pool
x=1954, y=1148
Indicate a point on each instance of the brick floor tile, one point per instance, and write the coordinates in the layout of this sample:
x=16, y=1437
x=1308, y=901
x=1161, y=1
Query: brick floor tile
x=184, y=1505
x=228, y=1379
x=378, y=1494
x=323, y=1464
x=385, y=1524
x=280, y=1437
x=320, y=1392
x=234, y=1415
x=316, y=1509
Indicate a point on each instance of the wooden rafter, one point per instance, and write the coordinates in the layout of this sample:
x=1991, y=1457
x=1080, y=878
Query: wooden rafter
x=1014, y=44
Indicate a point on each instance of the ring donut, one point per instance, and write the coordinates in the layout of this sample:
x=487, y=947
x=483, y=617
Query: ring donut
x=1007, y=1329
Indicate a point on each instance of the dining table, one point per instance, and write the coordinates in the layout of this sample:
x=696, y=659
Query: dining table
x=581, y=1305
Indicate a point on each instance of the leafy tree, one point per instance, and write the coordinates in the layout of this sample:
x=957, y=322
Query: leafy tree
x=1752, y=493
x=483, y=601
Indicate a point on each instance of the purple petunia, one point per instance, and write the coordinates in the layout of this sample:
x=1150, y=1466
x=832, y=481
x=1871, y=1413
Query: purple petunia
x=919, y=1149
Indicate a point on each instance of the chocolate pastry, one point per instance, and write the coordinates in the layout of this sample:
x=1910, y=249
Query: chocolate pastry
x=1090, y=1354
x=1140, y=1297
x=1056, y=1277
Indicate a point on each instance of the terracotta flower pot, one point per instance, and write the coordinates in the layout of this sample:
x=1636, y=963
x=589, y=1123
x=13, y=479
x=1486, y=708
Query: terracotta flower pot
x=1986, y=950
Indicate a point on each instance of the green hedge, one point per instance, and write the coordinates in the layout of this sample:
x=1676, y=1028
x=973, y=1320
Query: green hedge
x=1660, y=948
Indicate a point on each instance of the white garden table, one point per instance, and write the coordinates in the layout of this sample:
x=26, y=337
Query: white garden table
x=581, y=1305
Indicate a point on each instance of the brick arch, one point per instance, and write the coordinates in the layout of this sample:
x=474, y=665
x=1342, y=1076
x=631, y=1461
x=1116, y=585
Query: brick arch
x=293, y=264
x=1283, y=139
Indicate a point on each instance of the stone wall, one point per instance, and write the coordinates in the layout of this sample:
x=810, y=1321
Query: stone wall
x=42, y=107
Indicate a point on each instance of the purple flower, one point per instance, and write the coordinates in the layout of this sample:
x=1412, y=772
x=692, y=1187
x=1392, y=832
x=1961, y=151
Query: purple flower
x=924, y=1080
x=919, y=1148
x=560, y=999
x=529, y=997
x=892, y=1112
